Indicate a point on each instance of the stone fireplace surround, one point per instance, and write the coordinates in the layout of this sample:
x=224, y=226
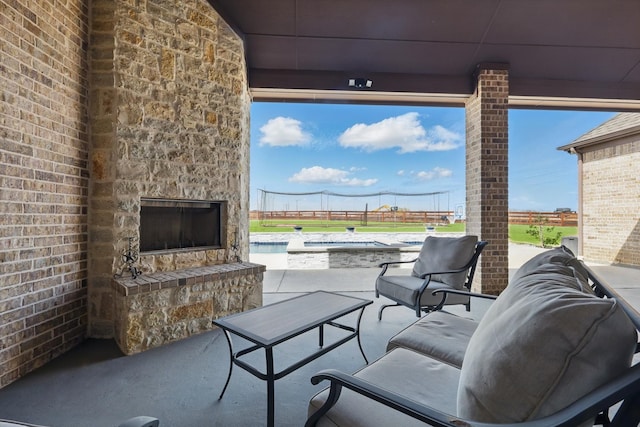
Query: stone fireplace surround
x=158, y=308
x=170, y=120
x=165, y=295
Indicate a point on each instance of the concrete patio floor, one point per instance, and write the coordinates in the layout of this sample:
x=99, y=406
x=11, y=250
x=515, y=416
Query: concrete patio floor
x=95, y=385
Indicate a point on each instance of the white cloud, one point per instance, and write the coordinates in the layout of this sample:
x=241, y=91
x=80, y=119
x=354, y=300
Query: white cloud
x=442, y=139
x=400, y=172
x=404, y=132
x=283, y=132
x=320, y=175
x=436, y=172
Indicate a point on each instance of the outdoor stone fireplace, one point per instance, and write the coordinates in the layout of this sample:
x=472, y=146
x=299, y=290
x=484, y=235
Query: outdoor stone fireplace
x=169, y=167
x=177, y=279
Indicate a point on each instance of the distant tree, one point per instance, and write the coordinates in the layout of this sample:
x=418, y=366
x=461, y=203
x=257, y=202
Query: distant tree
x=543, y=232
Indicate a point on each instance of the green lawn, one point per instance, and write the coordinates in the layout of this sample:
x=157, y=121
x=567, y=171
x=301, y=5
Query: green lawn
x=517, y=233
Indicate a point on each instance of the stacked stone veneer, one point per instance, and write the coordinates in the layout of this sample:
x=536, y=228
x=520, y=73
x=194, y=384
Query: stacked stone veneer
x=43, y=182
x=170, y=119
x=611, y=201
x=487, y=141
x=347, y=257
x=322, y=257
x=158, y=308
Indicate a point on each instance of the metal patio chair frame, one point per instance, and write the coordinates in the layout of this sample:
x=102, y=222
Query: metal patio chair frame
x=469, y=267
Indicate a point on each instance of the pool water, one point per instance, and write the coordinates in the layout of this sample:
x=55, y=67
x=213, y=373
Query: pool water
x=268, y=247
x=281, y=247
x=343, y=244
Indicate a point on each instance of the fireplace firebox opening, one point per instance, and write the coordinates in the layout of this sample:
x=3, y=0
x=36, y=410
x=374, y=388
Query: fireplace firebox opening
x=181, y=224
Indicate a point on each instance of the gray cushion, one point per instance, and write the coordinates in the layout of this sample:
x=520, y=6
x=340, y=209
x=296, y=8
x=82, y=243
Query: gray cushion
x=405, y=289
x=561, y=256
x=403, y=372
x=445, y=254
x=439, y=334
x=543, y=343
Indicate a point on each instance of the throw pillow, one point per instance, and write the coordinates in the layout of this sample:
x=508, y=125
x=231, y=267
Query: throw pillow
x=540, y=347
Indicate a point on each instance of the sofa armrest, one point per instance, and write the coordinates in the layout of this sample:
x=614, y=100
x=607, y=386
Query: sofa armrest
x=414, y=409
x=141, y=421
x=625, y=388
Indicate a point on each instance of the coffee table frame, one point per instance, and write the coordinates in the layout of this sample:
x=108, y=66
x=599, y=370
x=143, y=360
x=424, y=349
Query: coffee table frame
x=276, y=323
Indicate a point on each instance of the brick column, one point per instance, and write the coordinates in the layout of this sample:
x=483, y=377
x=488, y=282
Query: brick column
x=487, y=204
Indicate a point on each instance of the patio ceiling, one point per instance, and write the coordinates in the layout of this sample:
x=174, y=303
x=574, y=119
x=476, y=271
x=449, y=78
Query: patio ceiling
x=569, y=53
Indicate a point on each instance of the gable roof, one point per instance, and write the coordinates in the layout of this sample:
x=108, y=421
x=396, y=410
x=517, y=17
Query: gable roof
x=620, y=125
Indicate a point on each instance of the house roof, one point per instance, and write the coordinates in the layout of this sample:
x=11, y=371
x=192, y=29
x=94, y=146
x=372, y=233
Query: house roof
x=584, y=52
x=620, y=125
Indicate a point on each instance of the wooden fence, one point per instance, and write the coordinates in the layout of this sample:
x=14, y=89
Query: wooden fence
x=410, y=217
x=560, y=219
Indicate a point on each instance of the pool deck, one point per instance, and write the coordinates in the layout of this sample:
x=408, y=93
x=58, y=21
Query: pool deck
x=280, y=279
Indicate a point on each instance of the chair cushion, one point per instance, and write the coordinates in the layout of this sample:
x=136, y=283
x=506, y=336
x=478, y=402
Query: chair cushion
x=405, y=289
x=400, y=371
x=445, y=254
x=544, y=343
x=439, y=334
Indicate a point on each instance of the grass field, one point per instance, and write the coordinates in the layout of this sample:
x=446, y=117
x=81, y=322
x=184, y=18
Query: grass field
x=517, y=233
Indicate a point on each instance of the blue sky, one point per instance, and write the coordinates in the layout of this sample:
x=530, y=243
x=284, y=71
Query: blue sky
x=364, y=149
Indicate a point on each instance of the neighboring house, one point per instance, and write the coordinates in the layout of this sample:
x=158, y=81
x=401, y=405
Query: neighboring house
x=609, y=190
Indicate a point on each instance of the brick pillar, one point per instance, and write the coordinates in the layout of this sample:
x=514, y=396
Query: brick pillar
x=487, y=174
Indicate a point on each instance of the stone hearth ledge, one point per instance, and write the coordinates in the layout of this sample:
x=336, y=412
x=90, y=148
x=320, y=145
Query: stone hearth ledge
x=158, y=308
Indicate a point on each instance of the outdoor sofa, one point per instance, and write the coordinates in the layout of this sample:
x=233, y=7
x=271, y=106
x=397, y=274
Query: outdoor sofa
x=556, y=348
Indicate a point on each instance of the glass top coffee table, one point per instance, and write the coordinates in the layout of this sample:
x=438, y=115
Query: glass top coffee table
x=276, y=323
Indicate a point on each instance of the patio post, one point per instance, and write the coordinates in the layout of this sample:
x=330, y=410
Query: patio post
x=487, y=199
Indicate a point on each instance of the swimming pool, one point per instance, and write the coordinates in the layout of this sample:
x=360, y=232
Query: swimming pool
x=281, y=247
x=268, y=247
x=340, y=250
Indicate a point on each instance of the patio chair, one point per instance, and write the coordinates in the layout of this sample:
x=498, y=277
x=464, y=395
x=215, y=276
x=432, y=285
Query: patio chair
x=443, y=263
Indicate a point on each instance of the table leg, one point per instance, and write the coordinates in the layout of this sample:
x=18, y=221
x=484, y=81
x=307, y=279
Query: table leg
x=321, y=336
x=270, y=388
x=358, y=335
x=228, y=337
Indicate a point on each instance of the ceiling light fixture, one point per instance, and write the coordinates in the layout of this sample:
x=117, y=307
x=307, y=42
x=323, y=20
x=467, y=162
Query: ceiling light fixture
x=360, y=83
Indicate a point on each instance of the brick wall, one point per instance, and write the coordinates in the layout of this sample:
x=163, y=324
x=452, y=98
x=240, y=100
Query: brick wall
x=159, y=87
x=43, y=182
x=611, y=202
x=487, y=203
